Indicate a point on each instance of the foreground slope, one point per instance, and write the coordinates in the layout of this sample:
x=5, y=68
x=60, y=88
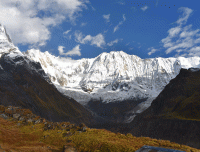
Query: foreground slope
x=43, y=136
x=175, y=114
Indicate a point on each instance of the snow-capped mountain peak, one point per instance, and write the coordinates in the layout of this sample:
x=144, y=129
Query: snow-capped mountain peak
x=6, y=44
x=114, y=76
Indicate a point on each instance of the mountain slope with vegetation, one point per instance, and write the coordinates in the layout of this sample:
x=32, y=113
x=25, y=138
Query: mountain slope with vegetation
x=175, y=114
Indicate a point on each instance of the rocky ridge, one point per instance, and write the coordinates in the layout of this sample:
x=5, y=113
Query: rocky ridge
x=25, y=117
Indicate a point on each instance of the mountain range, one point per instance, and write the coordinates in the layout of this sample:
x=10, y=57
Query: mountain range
x=156, y=97
x=115, y=85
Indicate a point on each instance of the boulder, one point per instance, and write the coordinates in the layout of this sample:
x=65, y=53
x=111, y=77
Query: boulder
x=22, y=119
x=38, y=121
x=4, y=116
x=29, y=120
x=16, y=116
x=69, y=149
x=9, y=111
x=84, y=129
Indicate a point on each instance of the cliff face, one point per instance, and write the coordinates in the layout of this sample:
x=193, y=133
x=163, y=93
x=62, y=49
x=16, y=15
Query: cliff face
x=175, y=114
x=24, y=83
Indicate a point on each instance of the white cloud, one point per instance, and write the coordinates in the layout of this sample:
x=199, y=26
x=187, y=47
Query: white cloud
x=113, y=42
x=186, y=13
x=24, y=19
x=78, y=36
x=66, y=32
x=197, y=40
x=144, y=8
x=74, y=51
x=187, y=40
x=60, y=49
x=121, y=3
x=107, y=17
x=153, y=50
x=120, y=23
x=83, y=24
x=97, y=40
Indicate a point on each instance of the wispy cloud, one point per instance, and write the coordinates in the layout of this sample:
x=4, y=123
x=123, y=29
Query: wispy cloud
x=83, y=24
x=66, y=32
x=182, y=39
x=107, y=17
x=120, y=23
x=113, y=42
x=153, y=50
x=97, y=40
x=74, y=51
x=144, y=8
x=157, y=2
x=121, y=3
x=23, y=18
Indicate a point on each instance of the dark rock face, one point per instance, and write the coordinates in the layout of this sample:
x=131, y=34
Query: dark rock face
x=24, y=83
x=175, y=114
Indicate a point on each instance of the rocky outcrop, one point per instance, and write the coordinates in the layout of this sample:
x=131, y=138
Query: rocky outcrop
x=25, y=117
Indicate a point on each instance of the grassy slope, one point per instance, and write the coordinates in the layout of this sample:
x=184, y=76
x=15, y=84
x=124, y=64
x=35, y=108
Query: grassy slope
x=181, y=98
x=31, y=138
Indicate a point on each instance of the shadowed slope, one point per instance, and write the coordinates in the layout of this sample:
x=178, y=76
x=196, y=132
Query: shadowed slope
x=174, y=115
x=22, y=83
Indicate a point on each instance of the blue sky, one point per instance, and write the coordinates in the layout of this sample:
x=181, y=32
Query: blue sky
x=85, y=28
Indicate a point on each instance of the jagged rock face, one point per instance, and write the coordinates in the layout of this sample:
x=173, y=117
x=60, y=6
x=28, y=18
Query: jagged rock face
x=174, y=115
x=24, y=83
x=114, y=76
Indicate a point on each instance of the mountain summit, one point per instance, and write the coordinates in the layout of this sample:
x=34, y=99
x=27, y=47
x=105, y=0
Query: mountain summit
x=6, y=44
